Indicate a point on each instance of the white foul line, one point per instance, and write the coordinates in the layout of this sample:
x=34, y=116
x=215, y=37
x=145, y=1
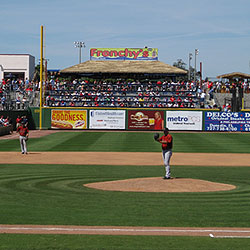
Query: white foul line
x=227, y=236
x=125, y=230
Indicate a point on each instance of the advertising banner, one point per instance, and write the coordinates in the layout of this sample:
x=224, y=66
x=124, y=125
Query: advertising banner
x=107, y=119
x=146, y=119
x=184, y=120
x=69, y=119
x=227, y=121
x=123, y=54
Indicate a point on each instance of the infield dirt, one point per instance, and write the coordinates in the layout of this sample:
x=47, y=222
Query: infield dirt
x=125, y=158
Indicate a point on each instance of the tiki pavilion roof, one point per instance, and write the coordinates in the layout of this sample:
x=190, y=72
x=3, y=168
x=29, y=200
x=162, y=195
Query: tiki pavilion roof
x=235, y=75
x=123, y=67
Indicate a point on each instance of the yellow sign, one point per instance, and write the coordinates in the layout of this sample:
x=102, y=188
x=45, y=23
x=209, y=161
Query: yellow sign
x=69, y=119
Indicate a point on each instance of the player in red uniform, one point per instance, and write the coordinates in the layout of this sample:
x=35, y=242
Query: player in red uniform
x=18, y=121
x=23, y=137
x=167, y=143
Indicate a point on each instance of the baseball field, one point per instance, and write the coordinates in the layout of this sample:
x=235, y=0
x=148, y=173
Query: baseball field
x=104, y=190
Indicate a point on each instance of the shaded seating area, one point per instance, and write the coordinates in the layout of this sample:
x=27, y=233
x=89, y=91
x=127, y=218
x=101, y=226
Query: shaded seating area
x=122, y=94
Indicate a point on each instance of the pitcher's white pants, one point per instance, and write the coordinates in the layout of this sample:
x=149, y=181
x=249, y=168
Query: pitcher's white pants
x=166, y=158
x=23, y=144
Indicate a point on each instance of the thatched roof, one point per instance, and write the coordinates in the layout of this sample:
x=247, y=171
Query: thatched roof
x=144, y=67
x=235, y=75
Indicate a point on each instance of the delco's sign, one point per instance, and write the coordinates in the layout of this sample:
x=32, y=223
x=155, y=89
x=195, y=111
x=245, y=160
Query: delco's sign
x=227, y=121
x=123, y=54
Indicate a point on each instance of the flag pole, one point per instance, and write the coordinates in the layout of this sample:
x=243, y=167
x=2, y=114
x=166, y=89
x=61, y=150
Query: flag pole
x=41, y=77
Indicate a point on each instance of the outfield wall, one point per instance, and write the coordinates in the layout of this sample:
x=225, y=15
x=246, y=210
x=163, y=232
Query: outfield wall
x=6, y=130
x=141, y=119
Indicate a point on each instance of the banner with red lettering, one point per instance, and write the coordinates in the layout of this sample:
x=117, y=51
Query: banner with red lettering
x=68, y=119
x=123, y=54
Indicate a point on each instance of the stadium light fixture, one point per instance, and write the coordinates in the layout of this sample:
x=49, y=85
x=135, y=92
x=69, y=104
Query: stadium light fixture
x=79, y=45
x=190, y=56
x=196, y=52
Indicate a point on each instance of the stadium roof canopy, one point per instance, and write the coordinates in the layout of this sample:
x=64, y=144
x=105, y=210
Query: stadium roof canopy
x=124, y=67
x=235, y=75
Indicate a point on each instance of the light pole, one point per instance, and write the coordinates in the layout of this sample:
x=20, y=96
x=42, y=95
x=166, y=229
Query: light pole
x=196, y=52
x=189, y=66
x=80, y=45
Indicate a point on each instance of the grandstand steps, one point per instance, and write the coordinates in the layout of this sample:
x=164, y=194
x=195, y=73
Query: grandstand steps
x=35, y=102
x=247, y=101
x=223, y=98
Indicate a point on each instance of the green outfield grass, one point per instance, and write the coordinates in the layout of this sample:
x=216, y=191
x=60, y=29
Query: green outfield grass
x=134, y=142
x=54, y=194
x=108, y=242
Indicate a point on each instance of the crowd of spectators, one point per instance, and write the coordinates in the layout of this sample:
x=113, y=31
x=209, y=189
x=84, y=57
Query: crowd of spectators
x=226, y=87
x=149, y=94
x=18, y=94
x=21, y=120
x=5, y=121
x=6, y=126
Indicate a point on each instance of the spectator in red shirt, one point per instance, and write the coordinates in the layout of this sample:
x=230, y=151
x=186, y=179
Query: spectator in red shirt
x=18, y=121
x=179, y=100
x=172, y=99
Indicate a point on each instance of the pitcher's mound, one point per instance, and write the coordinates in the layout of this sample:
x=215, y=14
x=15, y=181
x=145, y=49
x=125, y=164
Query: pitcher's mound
x=157, y=184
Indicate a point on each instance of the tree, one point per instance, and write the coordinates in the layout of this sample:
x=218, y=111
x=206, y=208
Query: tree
x=36, y=77
x=180, y=64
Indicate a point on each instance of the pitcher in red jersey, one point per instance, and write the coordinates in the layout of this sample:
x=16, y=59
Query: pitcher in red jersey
x=167, y=143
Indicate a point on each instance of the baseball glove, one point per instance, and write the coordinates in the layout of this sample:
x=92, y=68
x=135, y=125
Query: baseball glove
x=27, y=138
x=156, y=136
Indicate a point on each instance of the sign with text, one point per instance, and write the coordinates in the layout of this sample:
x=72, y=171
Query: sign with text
x=107, y=119
x=227, y=121
x=123, y=54
x=184, y=120
x=146, y=119
x=68, y=119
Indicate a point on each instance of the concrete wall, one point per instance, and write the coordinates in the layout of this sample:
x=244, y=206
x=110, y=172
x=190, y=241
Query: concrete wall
x=31, y=67
x=6, y=130
x=17, y=63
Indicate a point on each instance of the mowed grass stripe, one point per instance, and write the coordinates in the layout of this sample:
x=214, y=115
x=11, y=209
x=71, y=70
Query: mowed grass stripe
x=211, y=142
x=45, y=143
x=134, y=142
x=54, y=194
x=78, y=142
x=116, y=242
x=48, y=143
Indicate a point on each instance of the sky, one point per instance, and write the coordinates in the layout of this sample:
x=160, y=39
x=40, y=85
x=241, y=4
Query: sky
x=219, y=29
